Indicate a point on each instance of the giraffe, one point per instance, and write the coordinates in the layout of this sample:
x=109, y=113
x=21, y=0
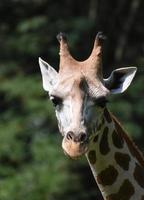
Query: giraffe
x=79, y=94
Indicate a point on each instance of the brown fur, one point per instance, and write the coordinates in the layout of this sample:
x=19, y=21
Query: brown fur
x=125, y=192
x=108, y=176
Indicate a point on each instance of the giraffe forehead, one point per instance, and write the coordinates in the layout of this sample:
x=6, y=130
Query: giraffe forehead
x=66, y=86
x=72, y=85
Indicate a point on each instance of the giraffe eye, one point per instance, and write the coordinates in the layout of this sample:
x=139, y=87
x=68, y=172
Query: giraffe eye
x=56, y=100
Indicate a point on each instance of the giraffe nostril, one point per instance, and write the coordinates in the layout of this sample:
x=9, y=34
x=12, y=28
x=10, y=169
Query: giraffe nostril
x=82, y=137
x=70, y=135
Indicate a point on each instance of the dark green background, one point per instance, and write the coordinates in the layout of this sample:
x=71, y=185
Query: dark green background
x=32, y=163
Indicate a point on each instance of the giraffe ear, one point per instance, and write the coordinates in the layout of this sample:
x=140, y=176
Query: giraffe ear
x=120, y=79
x=49, y=75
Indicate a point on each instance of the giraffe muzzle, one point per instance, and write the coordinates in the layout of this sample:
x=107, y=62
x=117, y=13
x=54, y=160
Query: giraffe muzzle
x=75, y=145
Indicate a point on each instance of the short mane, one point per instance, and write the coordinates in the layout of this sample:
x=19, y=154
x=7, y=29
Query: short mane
x=132, y=147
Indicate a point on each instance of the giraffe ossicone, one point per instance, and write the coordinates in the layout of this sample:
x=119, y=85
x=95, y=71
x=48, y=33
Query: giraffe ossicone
x=79, y=93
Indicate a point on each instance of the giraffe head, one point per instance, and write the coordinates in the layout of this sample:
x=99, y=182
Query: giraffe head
x=79, y=92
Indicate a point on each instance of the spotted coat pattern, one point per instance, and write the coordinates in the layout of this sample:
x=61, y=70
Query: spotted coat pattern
x=117, y=165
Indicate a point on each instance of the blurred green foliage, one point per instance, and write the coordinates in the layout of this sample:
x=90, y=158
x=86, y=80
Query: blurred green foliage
x=32, y=164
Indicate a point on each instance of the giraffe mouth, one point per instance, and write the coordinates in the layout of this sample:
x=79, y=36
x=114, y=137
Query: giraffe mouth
x=74, y=150
x=75, y=156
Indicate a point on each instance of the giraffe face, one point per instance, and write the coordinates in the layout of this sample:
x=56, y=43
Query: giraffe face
x=75, y=108
x=79, y=93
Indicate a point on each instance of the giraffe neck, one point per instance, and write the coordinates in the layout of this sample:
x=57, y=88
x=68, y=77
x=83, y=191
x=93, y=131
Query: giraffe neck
x=115, y=161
